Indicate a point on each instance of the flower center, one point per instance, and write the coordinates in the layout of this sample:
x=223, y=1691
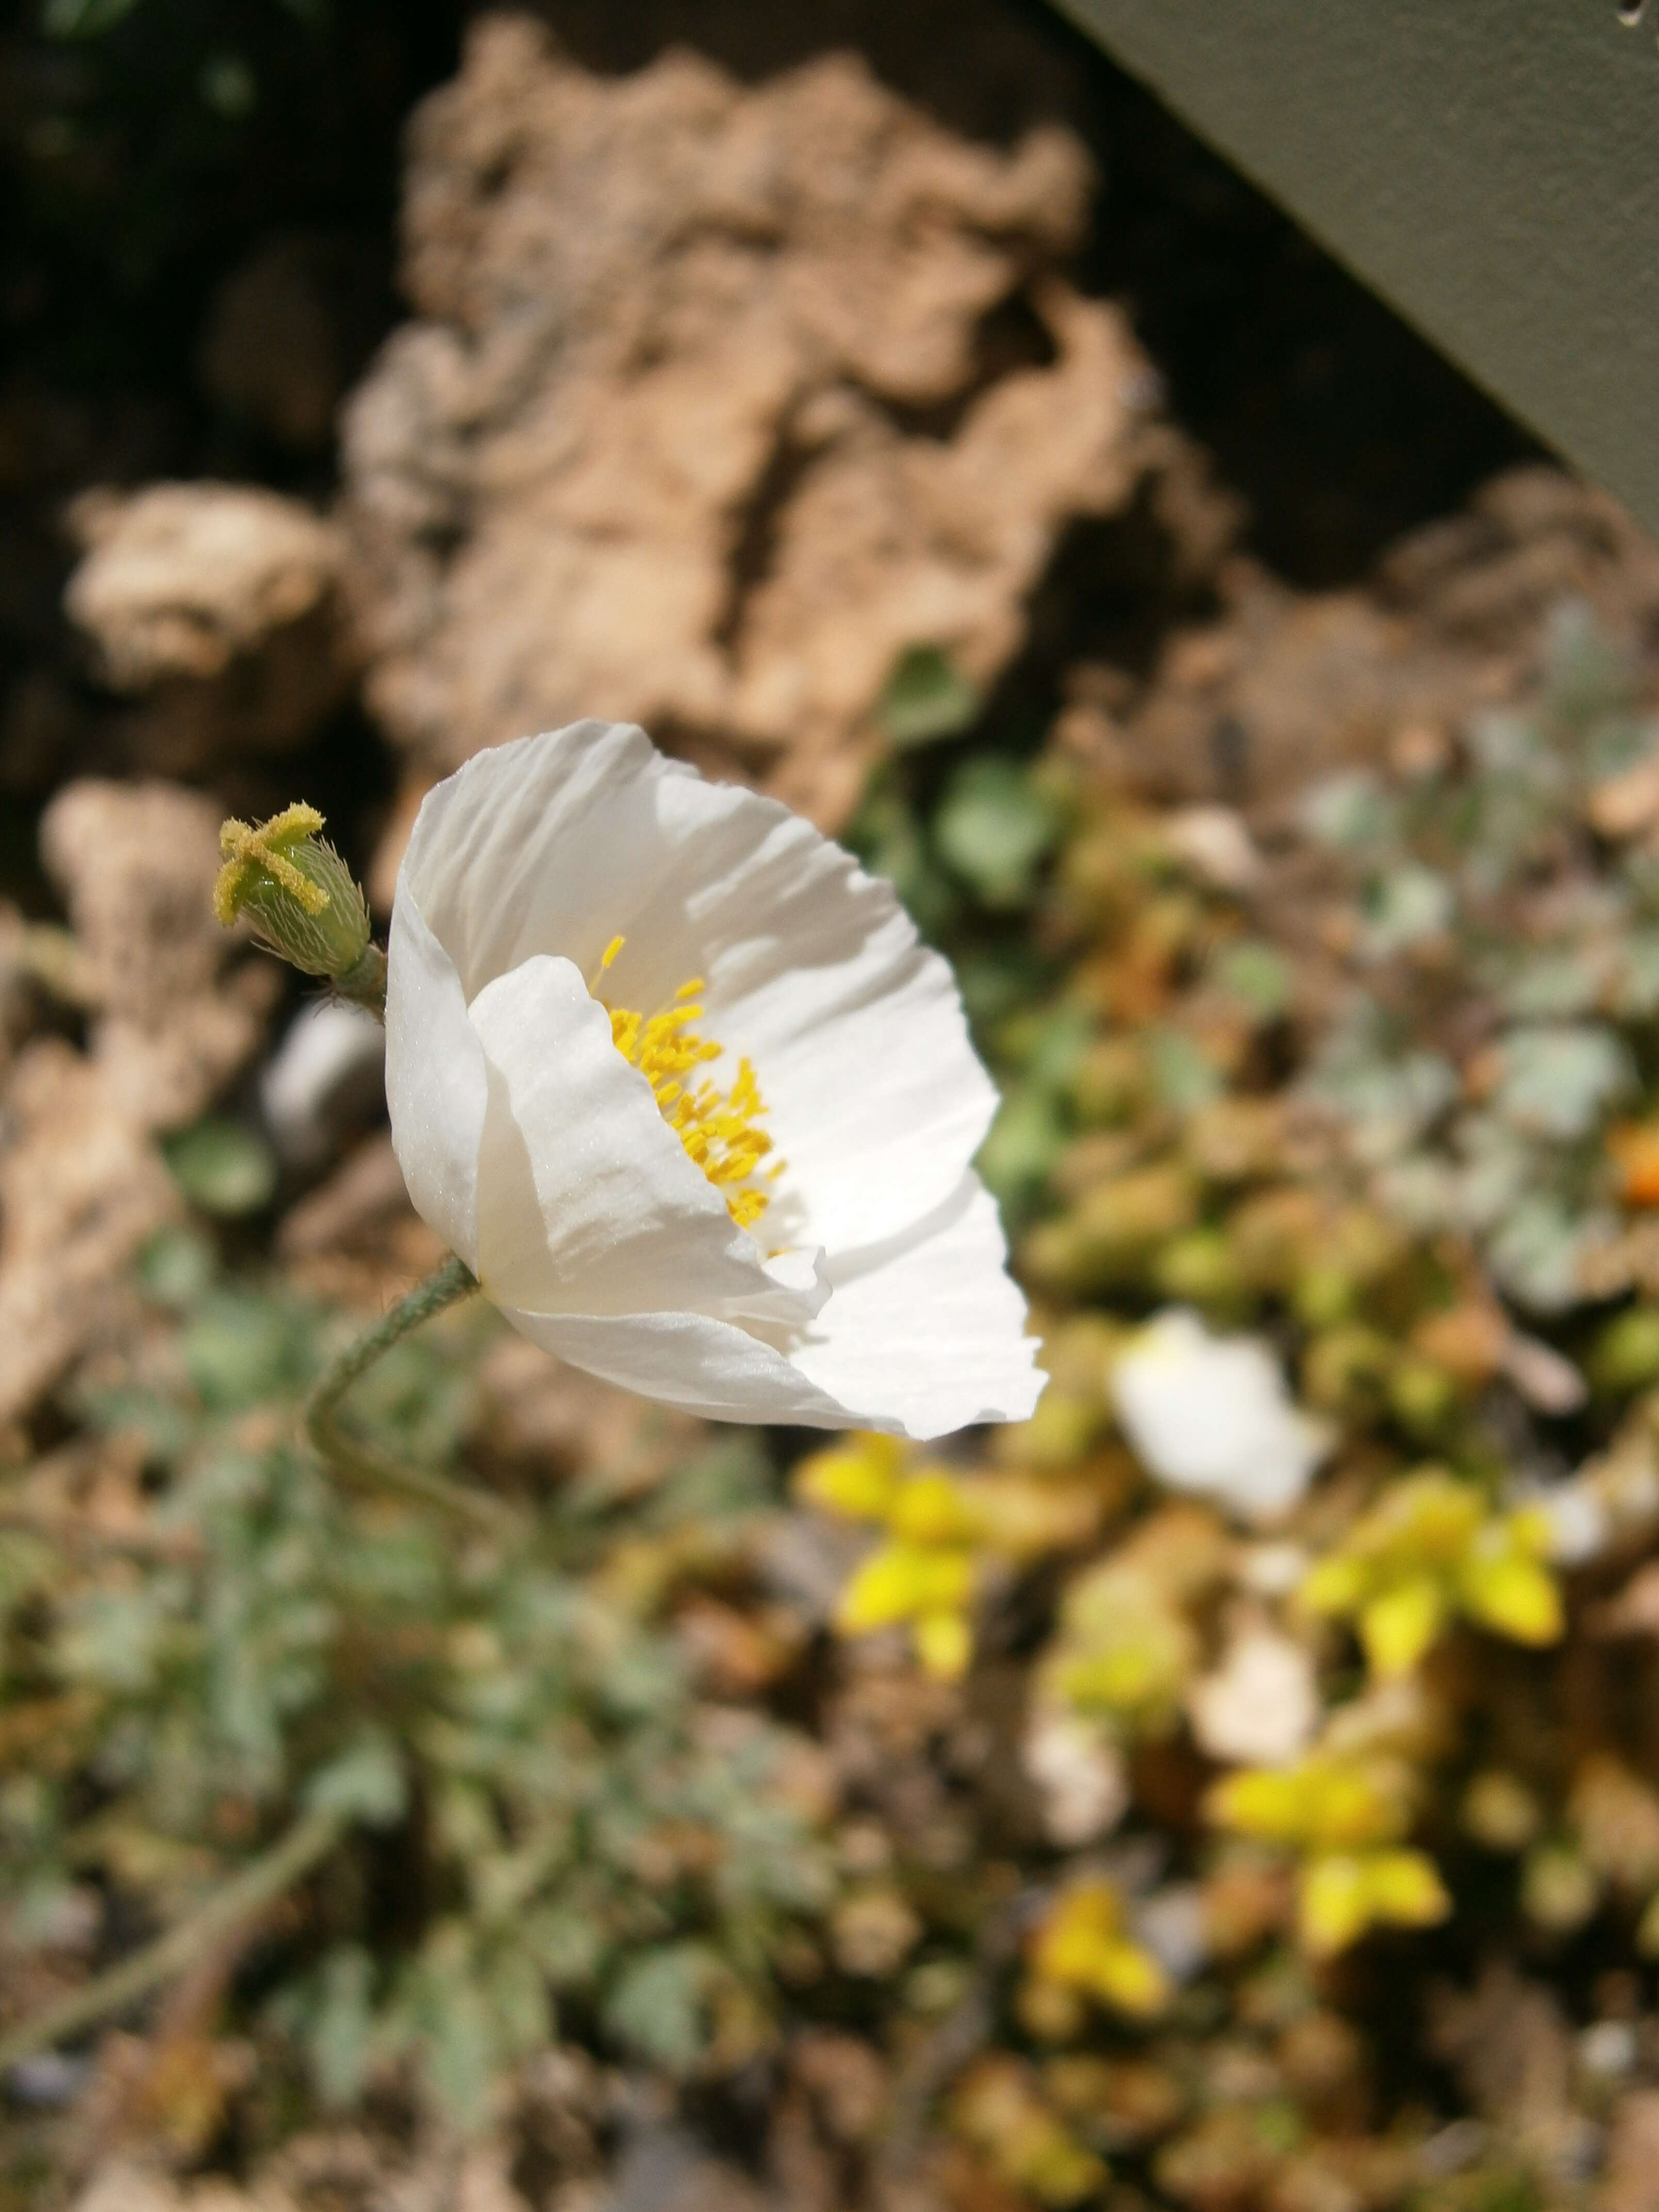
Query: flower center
x=720, y=1129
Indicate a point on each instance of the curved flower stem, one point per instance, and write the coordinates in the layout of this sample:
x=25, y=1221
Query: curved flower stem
x=242, y=1899
x=362, y=1462
x=364, y=981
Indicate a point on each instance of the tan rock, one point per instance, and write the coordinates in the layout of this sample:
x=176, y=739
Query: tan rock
x=1630, y=2171
x=217, y=605
x=1288, y=686
x=81, y=1185
x=718, y=401
x=81, y=1188
x=136, y=865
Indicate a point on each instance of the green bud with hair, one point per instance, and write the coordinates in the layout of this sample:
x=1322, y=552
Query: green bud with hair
x=304, y=903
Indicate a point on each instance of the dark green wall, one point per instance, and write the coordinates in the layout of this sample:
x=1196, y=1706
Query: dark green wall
x=1491, y=167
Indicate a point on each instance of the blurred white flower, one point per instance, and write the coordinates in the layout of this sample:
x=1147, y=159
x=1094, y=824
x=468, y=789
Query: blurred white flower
x=1261, y=1707
x=678, y=1082
x=1080, y=1774
x=1211, y=1415
x=326, y=1072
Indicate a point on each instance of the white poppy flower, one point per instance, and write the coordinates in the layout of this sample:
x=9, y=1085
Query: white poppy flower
x=1211, y=1415
x=677, y=1081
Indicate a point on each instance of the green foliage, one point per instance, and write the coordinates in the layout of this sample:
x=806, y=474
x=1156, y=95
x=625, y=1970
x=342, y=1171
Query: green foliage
x=82, y=19
x=1545, y=954
x=527, y=1746
x=927, y=698
x=224, y=1167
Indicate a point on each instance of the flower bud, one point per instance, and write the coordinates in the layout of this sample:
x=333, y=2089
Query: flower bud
x=303, y=901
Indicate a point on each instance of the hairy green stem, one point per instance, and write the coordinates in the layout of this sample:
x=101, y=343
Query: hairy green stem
x=242, y=1899
x=364, y=981
x=361, y=1461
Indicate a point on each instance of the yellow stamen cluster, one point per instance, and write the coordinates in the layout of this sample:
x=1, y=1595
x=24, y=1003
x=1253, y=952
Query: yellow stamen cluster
x=720, y=1129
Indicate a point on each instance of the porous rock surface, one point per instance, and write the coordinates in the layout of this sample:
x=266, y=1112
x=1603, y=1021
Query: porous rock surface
x=717, y=400
x=82, y=1184
x=1256, y=706
x=216, y=605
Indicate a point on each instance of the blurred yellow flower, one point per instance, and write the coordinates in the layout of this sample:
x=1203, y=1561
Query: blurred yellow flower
x=1429, y=1551
x=1000, y=2109
x=940, y=1529
x=1345, y=1817
x=1343, y=1896
x=1083, y=1945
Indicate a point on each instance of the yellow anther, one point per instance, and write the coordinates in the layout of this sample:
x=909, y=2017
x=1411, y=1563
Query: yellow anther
x=248, y=846
x=719, y=1129
x=611, y=952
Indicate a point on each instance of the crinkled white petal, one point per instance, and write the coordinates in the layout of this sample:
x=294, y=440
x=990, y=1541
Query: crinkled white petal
x=876, y=1100
x=930, y=1326
x=874, y=1291
x=437, y=1087
x=920, y=1339
x=587, y=1201
x=703, y=1365
x=812, y=969
x=1211, y=1415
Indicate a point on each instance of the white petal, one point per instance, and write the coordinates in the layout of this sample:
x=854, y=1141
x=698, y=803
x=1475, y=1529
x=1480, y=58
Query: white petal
x=815, y=973
x=554, y=844
x=919, y=1341
x=876, y=1099
x=926, y=1335
x=559, y=843
x=701, y=1365
x=437, y=1085
x=587, y=1201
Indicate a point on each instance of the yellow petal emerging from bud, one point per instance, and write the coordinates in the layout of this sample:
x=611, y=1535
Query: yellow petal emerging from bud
x=251, y=851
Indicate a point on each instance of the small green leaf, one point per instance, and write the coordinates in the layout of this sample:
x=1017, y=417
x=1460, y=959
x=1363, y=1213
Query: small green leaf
x=1258, y=976
x=1352, y=811
x=1184, y=1076
x=223, y=1167
x=241, y=1349
x=176, y=1267
x=227, y=85
x=994, y=829
x=1537, y=1253
x=656, y=2004
x=1558, y=1079
x=339, y=2036
x=1404, y=908
x=1024, y=1143
x=364, y=1783
x=83, y=19
x=927, y=698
